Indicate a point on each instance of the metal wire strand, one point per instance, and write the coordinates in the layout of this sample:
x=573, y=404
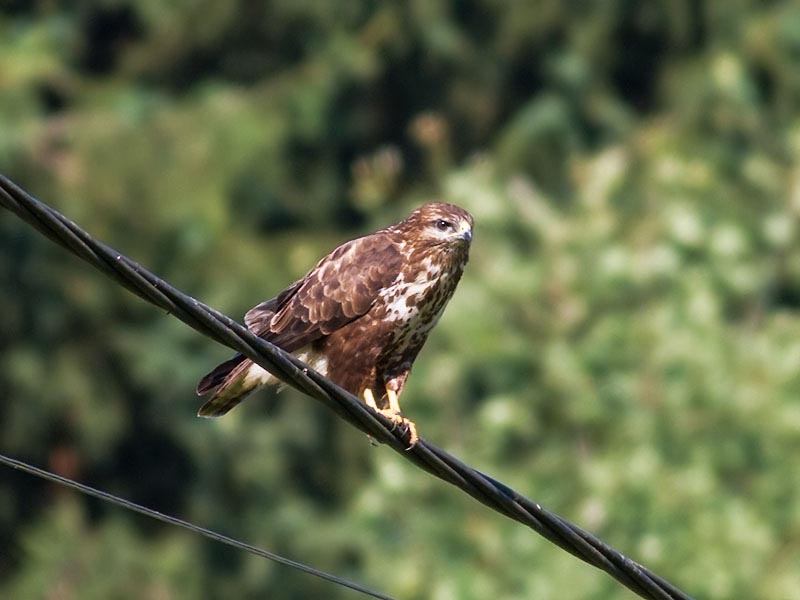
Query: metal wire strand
x=425, y=455
x=217, y=537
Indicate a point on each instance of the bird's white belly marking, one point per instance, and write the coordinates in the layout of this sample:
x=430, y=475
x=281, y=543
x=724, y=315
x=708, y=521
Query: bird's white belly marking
x=256, y=375
x=403, y=299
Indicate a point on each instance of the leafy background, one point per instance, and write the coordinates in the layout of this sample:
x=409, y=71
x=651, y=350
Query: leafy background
x=624, y=347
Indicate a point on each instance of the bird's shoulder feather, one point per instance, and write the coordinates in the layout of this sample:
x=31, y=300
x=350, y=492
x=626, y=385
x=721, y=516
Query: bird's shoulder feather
x=341, y=288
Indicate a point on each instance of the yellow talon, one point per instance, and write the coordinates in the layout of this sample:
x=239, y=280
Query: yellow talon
x=413, y=437
x=392, y=413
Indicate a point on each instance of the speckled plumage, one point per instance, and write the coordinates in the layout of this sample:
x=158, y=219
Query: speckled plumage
x=363, y=313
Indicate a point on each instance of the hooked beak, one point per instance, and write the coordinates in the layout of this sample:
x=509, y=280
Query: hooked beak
x=466, y=232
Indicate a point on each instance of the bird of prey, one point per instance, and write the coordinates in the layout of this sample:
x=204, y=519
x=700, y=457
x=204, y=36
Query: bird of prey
x=361, y=315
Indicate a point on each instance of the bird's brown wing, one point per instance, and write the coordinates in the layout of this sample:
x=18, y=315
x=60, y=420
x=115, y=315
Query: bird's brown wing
x=258, y=318
x=341, y=288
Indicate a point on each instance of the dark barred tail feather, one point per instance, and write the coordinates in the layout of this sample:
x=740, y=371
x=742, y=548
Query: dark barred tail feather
x=230, y=386
x=218, y=375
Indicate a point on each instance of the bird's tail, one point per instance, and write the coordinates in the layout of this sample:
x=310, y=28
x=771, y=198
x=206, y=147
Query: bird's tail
x=230, y=382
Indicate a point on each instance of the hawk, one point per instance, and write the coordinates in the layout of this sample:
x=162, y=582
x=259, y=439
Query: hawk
x=361, y=315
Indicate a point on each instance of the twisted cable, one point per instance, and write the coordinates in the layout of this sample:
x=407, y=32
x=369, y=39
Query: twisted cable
x=295, y=373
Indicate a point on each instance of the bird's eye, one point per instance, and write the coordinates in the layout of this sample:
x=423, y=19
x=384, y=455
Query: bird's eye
x=443, y=225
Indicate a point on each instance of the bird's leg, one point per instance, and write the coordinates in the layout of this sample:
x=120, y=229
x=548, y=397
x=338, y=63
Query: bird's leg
x=397, y=417
x=394, y=403
x=392, y=413
x=369, y=398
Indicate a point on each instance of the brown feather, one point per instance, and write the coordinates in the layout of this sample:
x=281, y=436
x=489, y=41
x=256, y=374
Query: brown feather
x=363, y=313
x=223, y=400
x=361, y=268
x=218, y=375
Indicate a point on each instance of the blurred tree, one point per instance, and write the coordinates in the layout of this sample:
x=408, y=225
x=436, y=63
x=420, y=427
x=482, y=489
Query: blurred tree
x=624, y=345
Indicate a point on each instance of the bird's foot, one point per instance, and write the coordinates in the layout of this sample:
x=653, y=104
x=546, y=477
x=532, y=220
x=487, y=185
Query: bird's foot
x=407, y=425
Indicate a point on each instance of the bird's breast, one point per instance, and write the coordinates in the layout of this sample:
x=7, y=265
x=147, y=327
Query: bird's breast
x=403, y=301
x=411, y=306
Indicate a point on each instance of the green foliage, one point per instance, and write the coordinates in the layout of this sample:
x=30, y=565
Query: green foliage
x=624, y=347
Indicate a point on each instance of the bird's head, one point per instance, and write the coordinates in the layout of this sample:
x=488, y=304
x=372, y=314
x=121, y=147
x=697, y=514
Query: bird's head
x=440, y=224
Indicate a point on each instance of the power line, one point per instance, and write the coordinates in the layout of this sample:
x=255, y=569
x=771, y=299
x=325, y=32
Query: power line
x=432, y=459
x=217, y=537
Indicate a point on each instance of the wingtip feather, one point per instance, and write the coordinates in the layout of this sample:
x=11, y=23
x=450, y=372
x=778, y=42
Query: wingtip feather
x=217, y=376
x=206, y=412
